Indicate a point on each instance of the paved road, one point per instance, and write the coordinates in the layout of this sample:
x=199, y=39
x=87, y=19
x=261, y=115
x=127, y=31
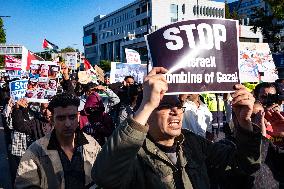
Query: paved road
x=5, y=180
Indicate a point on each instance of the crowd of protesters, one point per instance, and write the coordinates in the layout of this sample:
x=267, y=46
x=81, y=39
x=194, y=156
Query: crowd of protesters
x=134, y=136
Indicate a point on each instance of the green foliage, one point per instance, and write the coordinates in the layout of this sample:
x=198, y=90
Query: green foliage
x=2, y=40
x=268, y=23
x=277, y=8
x=2, y=32
x=67, y=49
x=105, y=65
x=231, y=15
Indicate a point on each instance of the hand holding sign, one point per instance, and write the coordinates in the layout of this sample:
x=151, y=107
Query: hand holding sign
x=154, y=88
x=242, y=103
x=22, y=103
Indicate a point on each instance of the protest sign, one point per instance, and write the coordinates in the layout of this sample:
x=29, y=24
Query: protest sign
x=12, y=63
x=18, y=89
x=85, y=77
x=132, y=56
x=71, y=60
x=256, y=63
x=120, y=70
x=201, y=55
x=100, y=73
x=43, y=81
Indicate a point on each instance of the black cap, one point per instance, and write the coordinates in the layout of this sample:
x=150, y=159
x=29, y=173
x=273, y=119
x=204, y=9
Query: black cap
x=170, y=100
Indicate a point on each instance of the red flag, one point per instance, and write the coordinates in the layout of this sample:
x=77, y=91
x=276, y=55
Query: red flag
x=48, y=45
x=87, y=64
x=27, y=57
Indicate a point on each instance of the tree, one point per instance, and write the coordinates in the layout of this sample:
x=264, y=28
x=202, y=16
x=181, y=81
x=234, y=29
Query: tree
x=2, y=40
x=231, y=15
x=68, y=49
x=105, y=65
x=269, y=22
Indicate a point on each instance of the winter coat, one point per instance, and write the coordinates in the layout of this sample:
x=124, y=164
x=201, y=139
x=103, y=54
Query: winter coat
x=130, y=159
x=42, y=168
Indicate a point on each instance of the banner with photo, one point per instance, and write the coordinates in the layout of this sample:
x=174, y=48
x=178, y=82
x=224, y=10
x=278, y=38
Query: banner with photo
x=256, y=63
x=12, y=63
x=71, y=60
x=120, y=70
x=201, y=55
x=18, y=89
x=43, y=81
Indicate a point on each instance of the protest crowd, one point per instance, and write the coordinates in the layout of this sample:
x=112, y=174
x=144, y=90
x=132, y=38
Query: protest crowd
x=66, y=130
x=128, y=135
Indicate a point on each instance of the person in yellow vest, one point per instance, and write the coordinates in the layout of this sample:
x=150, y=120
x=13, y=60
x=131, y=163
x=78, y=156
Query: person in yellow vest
x=212, y=103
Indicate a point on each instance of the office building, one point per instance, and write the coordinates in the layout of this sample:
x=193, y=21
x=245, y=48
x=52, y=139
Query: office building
x=106, y=37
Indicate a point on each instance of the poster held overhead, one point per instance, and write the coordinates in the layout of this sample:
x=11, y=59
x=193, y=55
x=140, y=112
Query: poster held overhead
x=132, y=56
x=201, y=55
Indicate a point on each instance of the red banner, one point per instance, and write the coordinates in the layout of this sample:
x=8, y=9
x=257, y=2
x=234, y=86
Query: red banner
x=12, y=63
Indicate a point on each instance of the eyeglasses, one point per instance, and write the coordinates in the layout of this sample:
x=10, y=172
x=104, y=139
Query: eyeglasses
x=171, y=109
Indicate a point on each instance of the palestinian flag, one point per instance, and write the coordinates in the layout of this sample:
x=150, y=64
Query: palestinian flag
x=48, y=45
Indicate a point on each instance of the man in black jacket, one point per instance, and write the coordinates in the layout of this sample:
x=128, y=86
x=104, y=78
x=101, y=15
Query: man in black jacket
x=37, y=126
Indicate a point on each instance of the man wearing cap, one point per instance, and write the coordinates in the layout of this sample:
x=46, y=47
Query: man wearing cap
x=151, y=150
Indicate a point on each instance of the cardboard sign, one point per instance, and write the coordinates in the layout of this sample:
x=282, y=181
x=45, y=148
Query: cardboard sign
x=120, y=70
x=71, y=60
x=132, y=56
x=18, y=89
x=256, y=63
x=43, y=81
x=12, y=63
x=201, y=55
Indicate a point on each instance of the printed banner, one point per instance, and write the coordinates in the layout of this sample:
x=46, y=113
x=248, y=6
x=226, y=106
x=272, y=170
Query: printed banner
x=12, y=63
x=132, y=56
x=201, y=55
x=71, y=60
x=256, y=63
x=120, y=70
x=18, y=89
x=43, y=81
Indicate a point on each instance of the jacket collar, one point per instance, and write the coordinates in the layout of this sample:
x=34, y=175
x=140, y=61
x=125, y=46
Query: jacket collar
x=151, y=147
x=80, y=140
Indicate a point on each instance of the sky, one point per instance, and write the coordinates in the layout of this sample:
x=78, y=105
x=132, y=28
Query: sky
x=59, y=21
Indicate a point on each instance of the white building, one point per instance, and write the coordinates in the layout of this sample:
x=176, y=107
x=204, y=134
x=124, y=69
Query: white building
x=106, y=37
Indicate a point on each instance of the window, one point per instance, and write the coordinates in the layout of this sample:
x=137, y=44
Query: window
x=183, y=9
x=144, y=8
x=138, y=24
x=194, y=10
x=197, y=10
x=144, y=22
x=138, y=11
x=200, y=10
x=174, y=12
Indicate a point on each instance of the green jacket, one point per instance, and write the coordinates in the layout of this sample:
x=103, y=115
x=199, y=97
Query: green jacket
x=130, y=160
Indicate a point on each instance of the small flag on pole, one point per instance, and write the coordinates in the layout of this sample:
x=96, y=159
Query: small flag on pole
x=87, y=64
x=48, y=45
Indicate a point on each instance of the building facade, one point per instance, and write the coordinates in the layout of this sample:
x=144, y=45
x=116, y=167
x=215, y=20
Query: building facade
x=245, y=9
x=106, y=37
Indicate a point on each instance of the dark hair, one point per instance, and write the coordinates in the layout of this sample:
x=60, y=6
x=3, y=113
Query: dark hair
x=261, y=86
x=89, y=86
x=127, y=77
x=63, y=100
